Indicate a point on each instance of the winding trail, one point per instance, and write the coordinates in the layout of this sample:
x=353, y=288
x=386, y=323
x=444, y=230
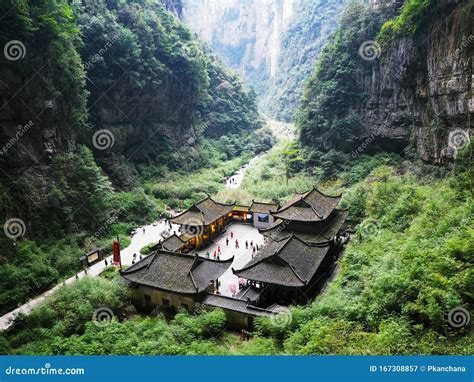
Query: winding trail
x=235, y=181
x=139, y=240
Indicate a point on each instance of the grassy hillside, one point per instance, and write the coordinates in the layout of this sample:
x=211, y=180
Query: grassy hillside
x=406, y=267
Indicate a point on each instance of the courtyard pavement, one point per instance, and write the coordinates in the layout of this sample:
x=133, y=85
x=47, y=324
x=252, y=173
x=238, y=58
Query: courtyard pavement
x=242, y=232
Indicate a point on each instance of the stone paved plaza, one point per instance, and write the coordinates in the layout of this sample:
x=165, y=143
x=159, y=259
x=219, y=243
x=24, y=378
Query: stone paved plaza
x=242, y=232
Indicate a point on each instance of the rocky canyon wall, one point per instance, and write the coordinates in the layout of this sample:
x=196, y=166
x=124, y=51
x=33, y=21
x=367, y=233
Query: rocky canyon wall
x=412, y=89
x=420, y=89
x=272, y=44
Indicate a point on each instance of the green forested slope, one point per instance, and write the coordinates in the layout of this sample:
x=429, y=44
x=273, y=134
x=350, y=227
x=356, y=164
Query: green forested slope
x=133, y=69
x=407, y=265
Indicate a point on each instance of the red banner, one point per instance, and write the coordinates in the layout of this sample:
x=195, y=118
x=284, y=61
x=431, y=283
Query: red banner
x=117, y=253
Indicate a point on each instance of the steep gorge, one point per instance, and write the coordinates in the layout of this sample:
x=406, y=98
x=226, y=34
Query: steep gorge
x=272, y=44
x=245, y=33
x=102, y=102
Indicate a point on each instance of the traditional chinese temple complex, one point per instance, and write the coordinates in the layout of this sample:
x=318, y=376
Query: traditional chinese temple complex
x=302, y=242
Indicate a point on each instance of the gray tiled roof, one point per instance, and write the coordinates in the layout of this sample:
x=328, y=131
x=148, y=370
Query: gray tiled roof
x=176, y=272
x=235, y=304
x=291, y=262
x=172, y=243
x=333, y=224
x=204, y=212
x=310, y=206
x=248, y=292
x=264, y=208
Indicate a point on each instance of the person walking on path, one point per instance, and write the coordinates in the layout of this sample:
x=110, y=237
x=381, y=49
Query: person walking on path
x=227, y=240
x=246, y=244
x=215, y=255
x=251, y=243
x=218, y=249
x=253, y=251
x=208, y=254
x=231, y=234
x=236, y=243
x=143, y=230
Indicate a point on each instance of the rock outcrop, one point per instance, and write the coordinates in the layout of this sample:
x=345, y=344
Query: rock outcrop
x=420, y=89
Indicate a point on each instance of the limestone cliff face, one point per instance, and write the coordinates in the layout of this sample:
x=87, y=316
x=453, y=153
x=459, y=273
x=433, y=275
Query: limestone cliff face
x=310, y=27
x=34, y=124
x=128, y=81
x=246, y=33
x=397, y=86
x=143, y=122
x=142, y=116
x=421, y=87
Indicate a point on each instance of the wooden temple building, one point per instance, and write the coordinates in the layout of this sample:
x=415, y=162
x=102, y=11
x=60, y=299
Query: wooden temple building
x=203, y=221
x=173, y=280
x=300, y=250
